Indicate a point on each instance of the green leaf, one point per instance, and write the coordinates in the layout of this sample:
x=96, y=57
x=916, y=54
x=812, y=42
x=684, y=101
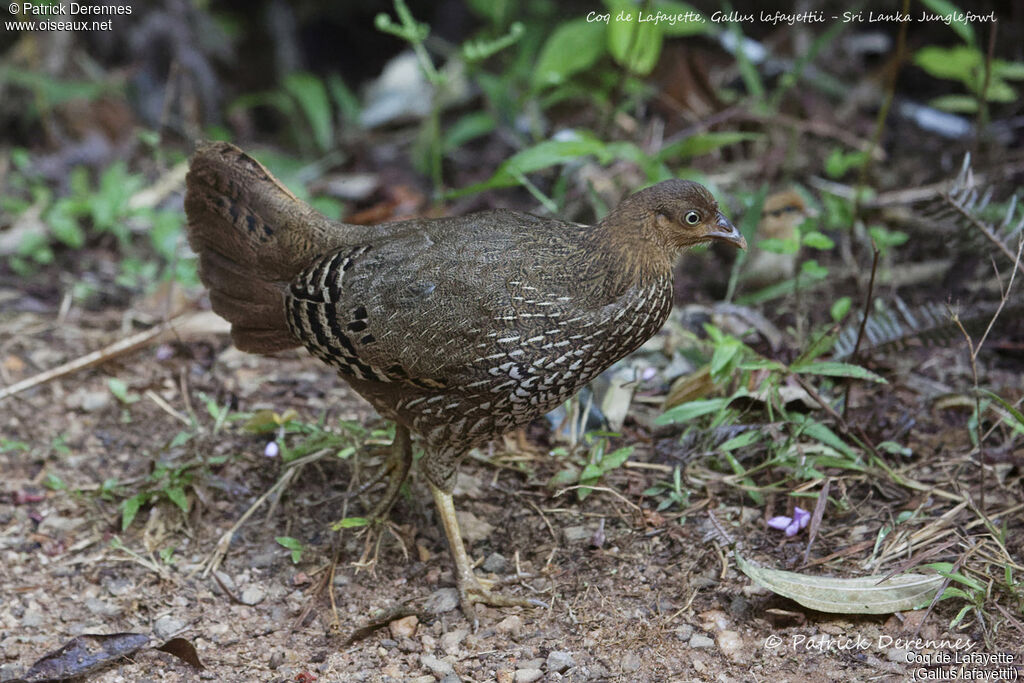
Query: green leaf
x=895, y=449
x=886, y=238
x=957, y=104
x=292, y=544
x=176, y=494
x=566, y=477
x=725, y=355
x=691, y=409
x=469, y=127
x=344, y=99
x=289, y=542
x=634, y=45
x=702, y=143
x=165, y=232
x=946, y=569
x=1017, y=415
x=8, y=446
x=777, y=245
x=51, y=90
x=350, y=523
x=831, y=368
x=741, y=441
x=811, y=268
x=64, y=224
x=820, y=432
x=311, y=95
x=616, y=458
x=817, y=240
x=542, y=155
x=130, y=508
x=955, y=63
x=573, y=47
x=54, y=483
x=840, y=162
x=120, y=391
x=946, y=8
x=840, y=307
x=863, y=595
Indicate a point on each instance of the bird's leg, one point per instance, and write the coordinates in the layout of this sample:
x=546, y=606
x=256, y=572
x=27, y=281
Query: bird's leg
x=396, y=469
x=471, y=590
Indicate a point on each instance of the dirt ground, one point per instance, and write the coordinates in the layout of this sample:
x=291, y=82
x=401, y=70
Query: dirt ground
x=632, y=595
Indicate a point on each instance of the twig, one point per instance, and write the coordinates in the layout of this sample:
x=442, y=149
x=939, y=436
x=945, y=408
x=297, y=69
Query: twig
x=863, y=321
x=819, y=512
x=293, y=468
x=974, y=351
x=840, y=420
x=182, y=326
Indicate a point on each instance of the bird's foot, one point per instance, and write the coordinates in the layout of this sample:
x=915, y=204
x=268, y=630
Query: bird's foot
x=474, y=590
x=373, y=532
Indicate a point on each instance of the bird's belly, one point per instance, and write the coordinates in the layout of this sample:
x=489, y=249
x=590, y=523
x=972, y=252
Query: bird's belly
x=513, y=383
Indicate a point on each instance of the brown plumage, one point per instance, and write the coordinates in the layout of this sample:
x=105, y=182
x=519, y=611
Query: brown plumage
x=458, y=329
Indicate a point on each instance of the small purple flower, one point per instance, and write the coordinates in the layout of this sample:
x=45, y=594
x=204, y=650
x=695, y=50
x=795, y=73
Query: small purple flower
x=791, y=525
x=272, y=450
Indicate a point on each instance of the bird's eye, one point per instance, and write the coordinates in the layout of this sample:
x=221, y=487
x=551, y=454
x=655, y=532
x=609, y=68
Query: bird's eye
x=692, y=218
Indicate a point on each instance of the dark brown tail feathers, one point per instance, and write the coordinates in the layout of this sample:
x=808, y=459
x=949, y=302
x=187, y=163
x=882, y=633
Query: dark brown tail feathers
x=252, y=236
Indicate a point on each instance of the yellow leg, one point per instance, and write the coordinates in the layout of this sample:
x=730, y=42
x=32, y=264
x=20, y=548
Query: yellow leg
x=470, y=589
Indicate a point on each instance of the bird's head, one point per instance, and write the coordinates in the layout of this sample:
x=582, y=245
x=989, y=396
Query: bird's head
x=648, y=230
x=682, y=214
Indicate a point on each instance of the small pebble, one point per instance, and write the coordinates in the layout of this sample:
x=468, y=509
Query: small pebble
x=495, y=563
x=404, y=627
x=451, y=641
x=441, y=601
x=225, y=579
x=439, y=667
x=167, y=627
x=630, y=662
x=528, y=675
x=93, y=401
x=117, y=586
x=473, y=528
x=731, y=644
x=697, y=640
x=510, y=625
x=102, y=608
x=252, y=595
x=558, y=661
x=32, y=618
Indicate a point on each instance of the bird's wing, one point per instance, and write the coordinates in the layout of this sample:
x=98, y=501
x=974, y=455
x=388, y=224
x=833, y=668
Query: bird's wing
x=427, y=302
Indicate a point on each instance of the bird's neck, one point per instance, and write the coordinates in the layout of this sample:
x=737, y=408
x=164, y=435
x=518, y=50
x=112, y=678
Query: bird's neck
x=633, y=248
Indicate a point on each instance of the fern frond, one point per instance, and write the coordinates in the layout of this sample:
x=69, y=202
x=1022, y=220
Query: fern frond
x=960, y=210
x=897, y=328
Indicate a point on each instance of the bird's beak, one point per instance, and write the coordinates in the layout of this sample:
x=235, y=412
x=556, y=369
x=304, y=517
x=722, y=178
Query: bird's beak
x=727, y=232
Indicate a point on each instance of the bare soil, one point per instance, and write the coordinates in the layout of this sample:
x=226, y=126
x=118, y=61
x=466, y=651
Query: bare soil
x=633, y=595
